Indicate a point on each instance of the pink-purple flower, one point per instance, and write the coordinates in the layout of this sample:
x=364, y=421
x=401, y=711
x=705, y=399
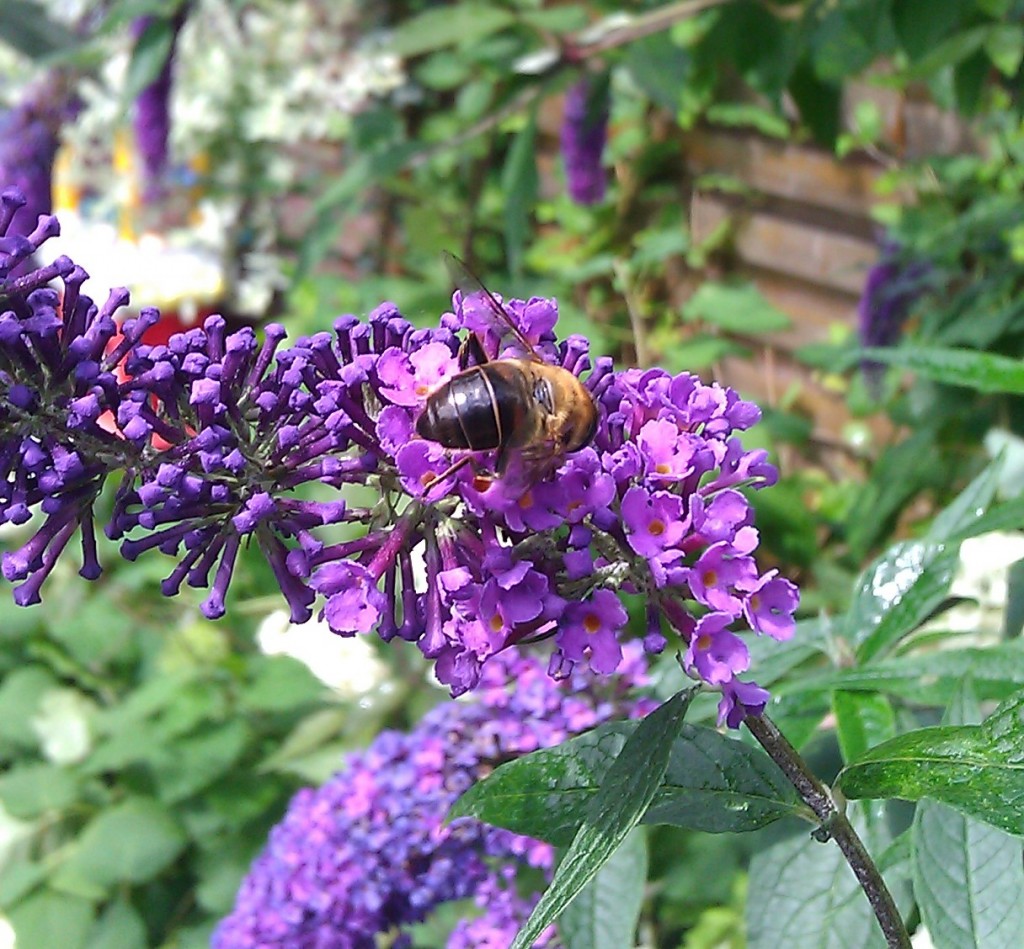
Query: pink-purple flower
x=217, y=436
x=370, y=853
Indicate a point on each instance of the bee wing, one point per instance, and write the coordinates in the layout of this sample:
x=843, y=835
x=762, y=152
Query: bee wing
x=470, y=286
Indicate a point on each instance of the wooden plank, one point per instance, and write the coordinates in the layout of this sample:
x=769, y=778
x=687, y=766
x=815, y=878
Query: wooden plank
x=775, y=243
x=795, y=172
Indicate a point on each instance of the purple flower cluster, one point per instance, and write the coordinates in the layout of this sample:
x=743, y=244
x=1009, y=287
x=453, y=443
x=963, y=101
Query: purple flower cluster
x=369, y=852
x=584, y=128
x=29, y=138
x=892, y=287
x=223, y=441
x=152, y=120
x=58, y=391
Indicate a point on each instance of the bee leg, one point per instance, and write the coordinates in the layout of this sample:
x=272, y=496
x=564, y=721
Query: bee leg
x=447, y=473
x=501, y=462
x=472, y=349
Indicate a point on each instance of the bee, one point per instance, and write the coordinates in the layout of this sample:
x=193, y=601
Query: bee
x=520, y=405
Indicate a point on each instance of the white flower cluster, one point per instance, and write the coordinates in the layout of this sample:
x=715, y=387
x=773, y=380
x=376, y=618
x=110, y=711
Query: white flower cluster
x=296, y=70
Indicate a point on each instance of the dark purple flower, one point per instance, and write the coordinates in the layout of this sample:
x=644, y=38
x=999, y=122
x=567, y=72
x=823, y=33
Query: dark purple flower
x=584, y=127
x=370, y=853
x=218, y=437
x=892, y=287
x=152, y=119
x=29, y=139
x=58, y=393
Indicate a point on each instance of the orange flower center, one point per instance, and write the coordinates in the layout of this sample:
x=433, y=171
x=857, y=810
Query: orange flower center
x=591, y=623
x=496, y=624
x=704, y=642
x=526, y=500
x=428, y=478
x=710, y=578
x=662, y=468
x=656, y=527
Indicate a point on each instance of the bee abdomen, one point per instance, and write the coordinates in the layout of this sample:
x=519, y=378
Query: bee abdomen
x=480, y=409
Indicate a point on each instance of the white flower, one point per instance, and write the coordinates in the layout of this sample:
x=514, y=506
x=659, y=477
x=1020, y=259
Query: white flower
x=7, y=940
x=349, y=665
x=984, y=561
x=62, y=725
x=14, y=837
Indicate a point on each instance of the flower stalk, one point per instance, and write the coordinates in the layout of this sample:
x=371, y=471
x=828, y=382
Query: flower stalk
x=835, y=824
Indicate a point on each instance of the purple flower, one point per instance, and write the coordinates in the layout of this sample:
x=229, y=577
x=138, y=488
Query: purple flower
x=58, y=392
x=370, y=853
x=584, y=127
x=770, y=606
x=715, y=654
x=29, y=139
x=592, y=627
x=354, y=603
x=892, y=287
x=217, y=437
x=152, y=120
x=654, y=522
x=740, y=699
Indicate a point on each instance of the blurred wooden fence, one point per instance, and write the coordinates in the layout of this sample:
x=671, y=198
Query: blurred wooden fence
x=803, y=234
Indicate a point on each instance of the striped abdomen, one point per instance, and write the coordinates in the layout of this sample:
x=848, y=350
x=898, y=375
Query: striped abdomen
x=483, y=408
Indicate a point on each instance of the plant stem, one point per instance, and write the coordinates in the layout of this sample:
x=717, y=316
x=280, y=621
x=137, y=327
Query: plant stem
x=817, y=797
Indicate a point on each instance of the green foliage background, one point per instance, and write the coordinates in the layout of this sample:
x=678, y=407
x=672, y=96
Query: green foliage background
x=198, y=739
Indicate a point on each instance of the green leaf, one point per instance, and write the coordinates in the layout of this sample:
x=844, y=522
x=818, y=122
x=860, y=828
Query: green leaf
x=450, y=25
x=28, y=791
x=920, y=27
x=51, y=919
x=658, y=65
x=26, y=27
x=900, y=473
x=734, y=308
x=21, y=877
x=519, y=182
x=1006, y=516
x=712, y=783
x=960, y=46
x=1005, y=48
x=20, y=694
x=149, y=56
x=210, y=754
x=1013, y=617
x=968, y=876
x=803, y=895
x=997, y=672
x=977, y=769
x=628, y=788
x=985, y=372
x=896, y=594
x=120, y=927
x=280, y=684
x=606, y=913
x=700, y=351
x=819, y=102
x=863, y=720
x=130, y=843
x=958, y=518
